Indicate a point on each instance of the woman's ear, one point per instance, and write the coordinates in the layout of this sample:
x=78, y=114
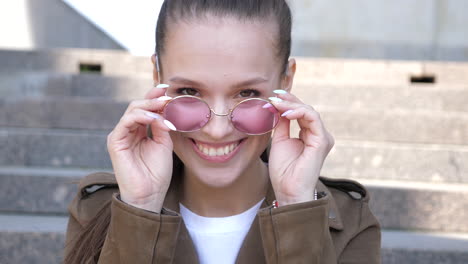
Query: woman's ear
x=154, y=62
x=289, y=75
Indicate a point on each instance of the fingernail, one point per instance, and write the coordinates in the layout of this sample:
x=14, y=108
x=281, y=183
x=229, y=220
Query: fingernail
x=164, y=98
x=152, y=115
x=267, y=105
x=162, y=86
x=280, y=92
x=275, y=99
x=170, y=125
x=287, y=112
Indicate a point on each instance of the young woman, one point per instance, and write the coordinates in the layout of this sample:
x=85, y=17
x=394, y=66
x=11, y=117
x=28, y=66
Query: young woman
x=211, y=183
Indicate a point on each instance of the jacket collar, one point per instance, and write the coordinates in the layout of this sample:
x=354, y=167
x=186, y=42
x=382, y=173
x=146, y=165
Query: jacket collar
x=334, y=219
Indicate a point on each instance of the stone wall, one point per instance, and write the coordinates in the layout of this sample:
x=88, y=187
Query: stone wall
x=381, y=29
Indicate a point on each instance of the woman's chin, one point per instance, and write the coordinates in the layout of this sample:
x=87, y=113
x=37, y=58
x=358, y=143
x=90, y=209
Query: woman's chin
x=217, y=177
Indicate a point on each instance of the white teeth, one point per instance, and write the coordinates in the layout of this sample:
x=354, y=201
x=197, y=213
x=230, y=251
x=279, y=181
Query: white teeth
x=205, y=150
x=210, y=151
x=220, y=152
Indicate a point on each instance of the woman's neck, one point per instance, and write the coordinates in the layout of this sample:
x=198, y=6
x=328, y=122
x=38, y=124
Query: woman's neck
x=247, y=190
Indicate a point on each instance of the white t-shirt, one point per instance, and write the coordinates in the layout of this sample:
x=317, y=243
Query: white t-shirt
x=218, y=239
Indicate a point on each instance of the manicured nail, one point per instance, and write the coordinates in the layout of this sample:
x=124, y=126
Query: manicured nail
x=280, y=92
x=267, y=105
x=170, y=125
x=275, y=99
x=152, y=115
x=164, y=98
x=162, y=86
x=287, y=112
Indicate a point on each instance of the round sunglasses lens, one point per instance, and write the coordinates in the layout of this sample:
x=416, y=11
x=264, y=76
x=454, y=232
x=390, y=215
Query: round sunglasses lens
x=187, y=113
x=250, y=117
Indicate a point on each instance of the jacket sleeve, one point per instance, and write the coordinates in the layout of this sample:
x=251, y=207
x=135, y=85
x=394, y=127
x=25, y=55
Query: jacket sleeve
x=300, y=233
x=297, y=233
x=139, y=236
x=133, y=235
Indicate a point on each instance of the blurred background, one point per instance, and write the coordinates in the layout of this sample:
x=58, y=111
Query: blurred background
x=390, y=80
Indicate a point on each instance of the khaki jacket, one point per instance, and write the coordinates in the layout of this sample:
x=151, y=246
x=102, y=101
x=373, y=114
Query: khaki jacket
x=336, y=228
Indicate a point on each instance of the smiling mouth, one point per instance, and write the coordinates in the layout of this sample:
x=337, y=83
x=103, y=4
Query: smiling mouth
x=215, y=151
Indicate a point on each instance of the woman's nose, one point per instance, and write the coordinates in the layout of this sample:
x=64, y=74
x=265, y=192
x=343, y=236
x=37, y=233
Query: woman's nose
x=220, y=125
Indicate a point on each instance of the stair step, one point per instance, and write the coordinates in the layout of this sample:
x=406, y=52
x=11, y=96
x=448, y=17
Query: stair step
x=32, y=239
x=371, y=96
x=40, y=239
x=39, y=190
x=355, y=159
x=112, y=62
x=374, y=125
x=326, y=70
x=361, y=71
x=397, y=205
x=395, y=126
x=396, y=161
x=53, y=148
x=66, y=113
x=378, y=97
x=33, y=223
x=424, y=248
x=40, y=84
x=419, y=205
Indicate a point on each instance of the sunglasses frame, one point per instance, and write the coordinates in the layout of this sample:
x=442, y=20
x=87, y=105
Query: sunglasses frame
x=227, y=114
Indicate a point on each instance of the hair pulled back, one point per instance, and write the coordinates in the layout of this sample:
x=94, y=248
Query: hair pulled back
x=87, y=246
x=276, y=11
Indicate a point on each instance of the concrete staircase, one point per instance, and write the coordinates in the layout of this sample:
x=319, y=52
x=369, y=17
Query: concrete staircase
x=407, y=142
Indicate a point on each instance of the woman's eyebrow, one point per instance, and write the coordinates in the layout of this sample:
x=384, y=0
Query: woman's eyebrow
x=182, y=80
x=249, y=82
x=253, y=81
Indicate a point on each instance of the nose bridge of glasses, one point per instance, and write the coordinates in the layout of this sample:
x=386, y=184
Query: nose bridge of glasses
x=220, y=108
x=219, y=126
x=218, y=114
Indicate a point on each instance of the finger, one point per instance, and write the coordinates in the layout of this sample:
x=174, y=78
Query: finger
x=161, y=136
x=285, y=96
x=313, y=132
x=307, y=118
x=152, y=105
x=134, y=119
x=282, y=130
x=305, y=115
x=158, y=91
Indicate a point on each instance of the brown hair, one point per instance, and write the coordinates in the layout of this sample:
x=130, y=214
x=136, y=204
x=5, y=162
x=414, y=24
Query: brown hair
x=255, y=10
x=87, y=246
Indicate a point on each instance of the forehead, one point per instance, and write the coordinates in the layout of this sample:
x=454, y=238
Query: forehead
x=214, y=46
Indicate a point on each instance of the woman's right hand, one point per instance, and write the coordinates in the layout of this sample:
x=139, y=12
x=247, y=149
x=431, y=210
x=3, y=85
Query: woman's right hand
x=142, y=166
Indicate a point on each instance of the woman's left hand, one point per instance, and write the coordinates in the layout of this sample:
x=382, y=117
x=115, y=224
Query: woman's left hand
x=295, y=163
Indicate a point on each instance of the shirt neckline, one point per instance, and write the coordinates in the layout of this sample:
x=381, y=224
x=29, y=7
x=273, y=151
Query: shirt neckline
x=233, y=223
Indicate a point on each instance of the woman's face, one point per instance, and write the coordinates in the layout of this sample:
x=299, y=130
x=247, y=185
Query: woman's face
x=222, y=61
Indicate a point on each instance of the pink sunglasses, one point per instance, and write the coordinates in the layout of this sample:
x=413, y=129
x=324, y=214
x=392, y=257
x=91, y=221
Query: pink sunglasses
x=190, y=113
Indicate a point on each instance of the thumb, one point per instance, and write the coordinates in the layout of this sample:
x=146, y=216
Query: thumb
x=159, y=133
x=282, y=130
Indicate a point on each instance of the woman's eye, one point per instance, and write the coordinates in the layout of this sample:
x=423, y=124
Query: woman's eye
x=187, y=91
x=249, y=93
